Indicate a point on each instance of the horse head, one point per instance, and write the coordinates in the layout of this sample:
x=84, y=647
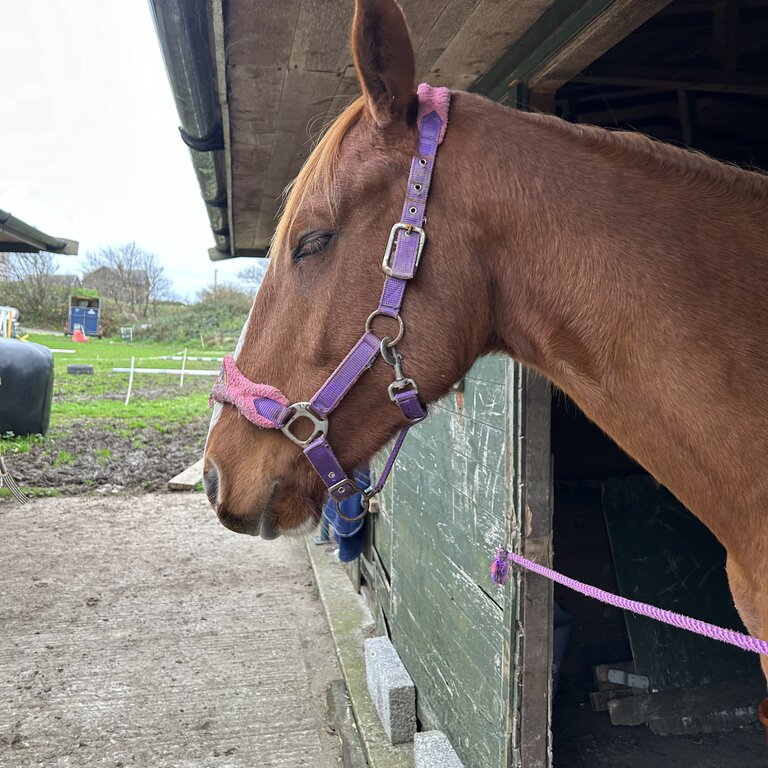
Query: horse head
x=324, y=280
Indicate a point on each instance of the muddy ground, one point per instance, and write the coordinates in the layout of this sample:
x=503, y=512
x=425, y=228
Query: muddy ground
x=104, y=456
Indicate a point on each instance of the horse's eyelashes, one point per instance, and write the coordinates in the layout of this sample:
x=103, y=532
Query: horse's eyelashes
x=311, y=244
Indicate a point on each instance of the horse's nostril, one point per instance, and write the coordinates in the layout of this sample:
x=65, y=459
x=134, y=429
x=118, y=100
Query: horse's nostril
x=211, y=485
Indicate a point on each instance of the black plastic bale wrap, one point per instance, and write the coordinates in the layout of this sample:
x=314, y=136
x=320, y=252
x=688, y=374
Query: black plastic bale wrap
x=26, y=387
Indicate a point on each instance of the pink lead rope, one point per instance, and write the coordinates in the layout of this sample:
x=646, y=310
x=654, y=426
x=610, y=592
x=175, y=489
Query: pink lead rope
x=500, y=573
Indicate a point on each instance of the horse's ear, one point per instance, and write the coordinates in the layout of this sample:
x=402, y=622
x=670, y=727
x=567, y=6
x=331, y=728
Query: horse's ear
x=384, y=59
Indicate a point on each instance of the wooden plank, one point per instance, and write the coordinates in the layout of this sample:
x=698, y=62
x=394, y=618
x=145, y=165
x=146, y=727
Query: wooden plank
x=444, y=28
x=321, y=39
x=600, y=674
x=449, y=636
x=511, y=681
x=723, y=695
x=598, y=700
x=217, y=14
x=446, y=619
x=679, y=78
x=665, y=556
x=306, y=97
x=188, y=479
x=263, y=36
x=721, y=721
x=490, y=29
x=536, y=599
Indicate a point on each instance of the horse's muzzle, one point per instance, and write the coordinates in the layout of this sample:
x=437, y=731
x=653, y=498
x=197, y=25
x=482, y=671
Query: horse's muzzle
x=260, y=524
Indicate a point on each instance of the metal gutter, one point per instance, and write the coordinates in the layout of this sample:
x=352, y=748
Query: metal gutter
x=185, y=30
x=18, y=237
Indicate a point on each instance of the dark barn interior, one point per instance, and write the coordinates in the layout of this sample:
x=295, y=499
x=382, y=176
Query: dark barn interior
x=695, y=75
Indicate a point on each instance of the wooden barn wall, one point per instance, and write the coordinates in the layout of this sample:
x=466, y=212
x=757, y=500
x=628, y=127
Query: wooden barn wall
x=441, y=519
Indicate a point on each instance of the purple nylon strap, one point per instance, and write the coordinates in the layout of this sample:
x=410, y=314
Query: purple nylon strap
x=267, y=407
x=360, y=357
x=407, y=243
x=745, y=642
x=403, y=253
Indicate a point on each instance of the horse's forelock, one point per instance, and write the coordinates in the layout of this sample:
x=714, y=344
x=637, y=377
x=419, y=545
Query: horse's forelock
x=318, y=172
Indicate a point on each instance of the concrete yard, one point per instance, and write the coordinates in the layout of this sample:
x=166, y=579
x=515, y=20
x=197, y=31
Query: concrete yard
x=137, y=631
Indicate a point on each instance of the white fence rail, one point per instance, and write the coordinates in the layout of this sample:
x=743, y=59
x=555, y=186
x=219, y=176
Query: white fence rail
x=180, y=372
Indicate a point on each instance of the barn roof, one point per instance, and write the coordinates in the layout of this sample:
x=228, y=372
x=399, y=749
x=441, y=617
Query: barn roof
x=254, y=81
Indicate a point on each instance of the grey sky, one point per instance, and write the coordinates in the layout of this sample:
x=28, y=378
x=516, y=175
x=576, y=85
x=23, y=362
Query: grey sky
x=89, y=145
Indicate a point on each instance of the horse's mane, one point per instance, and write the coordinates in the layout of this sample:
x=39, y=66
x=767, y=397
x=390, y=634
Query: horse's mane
x=318, y=171
x=639, y=149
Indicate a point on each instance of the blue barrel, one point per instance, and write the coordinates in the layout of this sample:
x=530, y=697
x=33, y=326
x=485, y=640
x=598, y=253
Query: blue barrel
x=26, y=387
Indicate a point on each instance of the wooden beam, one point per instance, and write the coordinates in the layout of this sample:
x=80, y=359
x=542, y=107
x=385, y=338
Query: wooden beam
x=704, y=6
x=706, y=80
x=542, y=101
x=727, y=694
x=686, y=104
x=618, y=21
x=568, y=36
x=725, y=33
x=536, y=594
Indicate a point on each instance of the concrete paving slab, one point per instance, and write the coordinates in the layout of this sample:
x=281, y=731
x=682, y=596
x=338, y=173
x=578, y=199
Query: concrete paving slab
x=350, y=622
x=137, y=631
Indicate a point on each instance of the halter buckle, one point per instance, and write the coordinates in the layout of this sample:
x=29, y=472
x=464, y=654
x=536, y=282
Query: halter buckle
x=304, y=411
x=408, y=231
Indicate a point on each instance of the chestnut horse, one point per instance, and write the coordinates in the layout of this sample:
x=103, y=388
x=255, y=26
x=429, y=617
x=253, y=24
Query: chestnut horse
x=632, y=274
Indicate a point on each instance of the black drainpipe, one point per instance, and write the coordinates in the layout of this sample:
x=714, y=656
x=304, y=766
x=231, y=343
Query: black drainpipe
x=185, y=31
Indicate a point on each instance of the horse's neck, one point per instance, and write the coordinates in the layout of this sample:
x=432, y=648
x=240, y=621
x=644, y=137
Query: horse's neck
x=638, y=287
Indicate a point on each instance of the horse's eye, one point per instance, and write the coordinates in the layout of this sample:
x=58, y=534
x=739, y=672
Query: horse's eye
x=314, y=242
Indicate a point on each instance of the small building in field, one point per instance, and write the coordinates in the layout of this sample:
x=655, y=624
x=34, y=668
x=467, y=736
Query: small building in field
x=504, y=459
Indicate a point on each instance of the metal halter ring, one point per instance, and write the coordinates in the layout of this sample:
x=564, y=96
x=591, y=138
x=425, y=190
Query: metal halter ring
x=401, y=324
x=365, y=503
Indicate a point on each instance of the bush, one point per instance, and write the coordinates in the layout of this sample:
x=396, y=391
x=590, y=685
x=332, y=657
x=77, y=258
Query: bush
x=217, y=316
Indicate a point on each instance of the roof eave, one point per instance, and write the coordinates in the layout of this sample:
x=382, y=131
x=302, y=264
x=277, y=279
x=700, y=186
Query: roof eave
x=16, y=236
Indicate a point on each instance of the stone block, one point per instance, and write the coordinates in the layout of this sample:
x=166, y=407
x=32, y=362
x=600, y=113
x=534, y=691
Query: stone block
x=391, y=688
x=431, y=749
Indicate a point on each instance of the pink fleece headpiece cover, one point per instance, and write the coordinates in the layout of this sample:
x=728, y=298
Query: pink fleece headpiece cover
x=434, y=99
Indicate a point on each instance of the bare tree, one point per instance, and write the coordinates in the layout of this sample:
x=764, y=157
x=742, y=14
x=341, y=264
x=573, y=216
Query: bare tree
x=128, y=275
x=33, y=287
x=253, y=275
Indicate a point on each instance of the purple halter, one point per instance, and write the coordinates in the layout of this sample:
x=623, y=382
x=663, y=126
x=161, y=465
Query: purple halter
x=267, y=407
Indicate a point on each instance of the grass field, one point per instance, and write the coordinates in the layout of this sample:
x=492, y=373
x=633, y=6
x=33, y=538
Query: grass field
x=155, y=397
x=95, y=438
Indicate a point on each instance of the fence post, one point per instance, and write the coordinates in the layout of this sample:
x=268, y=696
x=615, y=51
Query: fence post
x=183, y=366
x=130, y=381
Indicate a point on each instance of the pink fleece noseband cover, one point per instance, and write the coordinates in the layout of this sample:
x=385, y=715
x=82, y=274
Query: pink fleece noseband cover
x=261, y=404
